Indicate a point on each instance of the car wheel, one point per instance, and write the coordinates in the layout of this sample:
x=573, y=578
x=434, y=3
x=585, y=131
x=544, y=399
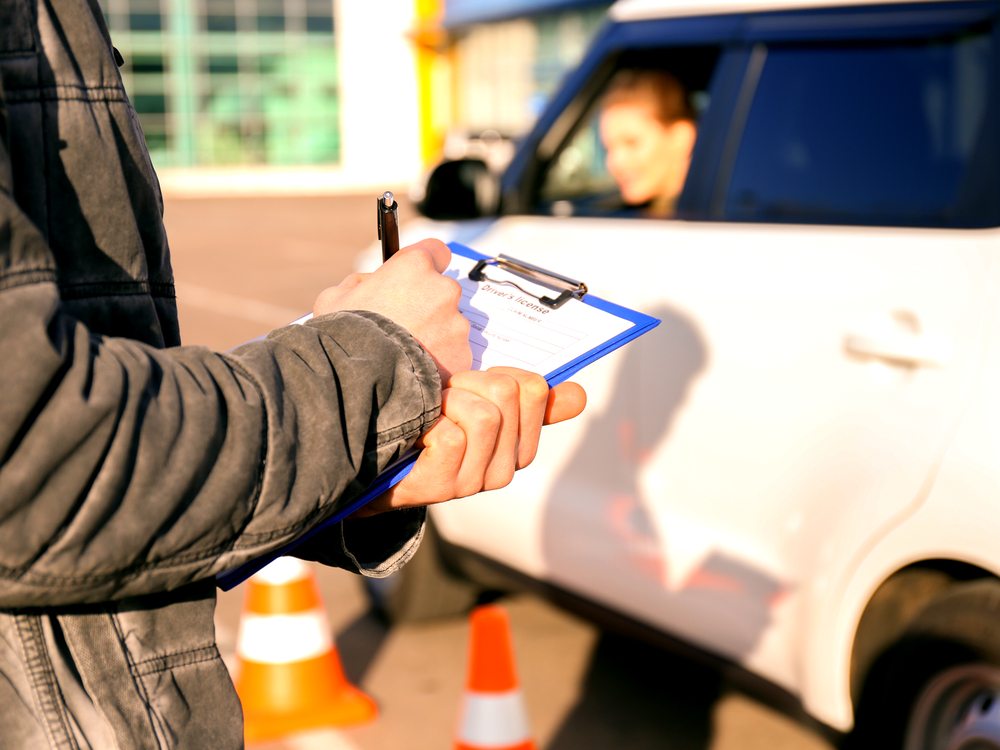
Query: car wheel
x=425, y=588
x=938, y=687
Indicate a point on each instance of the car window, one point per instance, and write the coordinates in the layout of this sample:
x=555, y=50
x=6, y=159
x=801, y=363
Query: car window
x=577, y=180
x=893, y=134
x=579, y=172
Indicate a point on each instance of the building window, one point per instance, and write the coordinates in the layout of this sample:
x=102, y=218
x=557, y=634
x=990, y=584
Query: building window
x=319, y=17
x=145, y=15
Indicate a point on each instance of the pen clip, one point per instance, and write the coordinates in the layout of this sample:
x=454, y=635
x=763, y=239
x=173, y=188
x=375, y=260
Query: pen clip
x=568, y=288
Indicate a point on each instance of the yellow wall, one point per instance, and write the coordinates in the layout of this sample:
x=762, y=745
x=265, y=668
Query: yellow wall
x=434, y=82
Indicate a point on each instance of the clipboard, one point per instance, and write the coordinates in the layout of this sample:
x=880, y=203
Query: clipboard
x=542, y=293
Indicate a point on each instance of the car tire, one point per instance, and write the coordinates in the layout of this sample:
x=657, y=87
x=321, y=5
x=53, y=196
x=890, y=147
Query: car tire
x=426, y=588
x=938, y=687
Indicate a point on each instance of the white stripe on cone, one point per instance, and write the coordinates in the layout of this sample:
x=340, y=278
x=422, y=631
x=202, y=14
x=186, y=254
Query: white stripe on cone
x=279, y=639
x=282, y=570
x=493, y=719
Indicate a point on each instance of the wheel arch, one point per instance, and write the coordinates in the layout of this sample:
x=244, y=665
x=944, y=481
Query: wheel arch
x=895, y=605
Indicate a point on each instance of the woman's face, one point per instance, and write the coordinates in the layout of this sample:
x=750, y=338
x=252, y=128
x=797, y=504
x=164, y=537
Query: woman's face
x=643, y=154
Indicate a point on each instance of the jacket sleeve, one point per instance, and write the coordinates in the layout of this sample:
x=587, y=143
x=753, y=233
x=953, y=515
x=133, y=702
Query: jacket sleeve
x=126, y=469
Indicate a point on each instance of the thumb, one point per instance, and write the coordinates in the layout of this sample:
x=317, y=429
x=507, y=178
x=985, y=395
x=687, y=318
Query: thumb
x=566, y=401
x=439, y=253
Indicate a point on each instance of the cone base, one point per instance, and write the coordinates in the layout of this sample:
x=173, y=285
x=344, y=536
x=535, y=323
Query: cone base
x=526, y=745
x=283, y=699
x=350, y=707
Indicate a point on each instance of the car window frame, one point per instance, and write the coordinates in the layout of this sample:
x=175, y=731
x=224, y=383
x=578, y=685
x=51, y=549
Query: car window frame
x=744, y=40
x=522, y=180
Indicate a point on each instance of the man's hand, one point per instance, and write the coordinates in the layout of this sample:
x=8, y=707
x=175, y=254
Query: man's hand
x=490, y=426
x=410, y=290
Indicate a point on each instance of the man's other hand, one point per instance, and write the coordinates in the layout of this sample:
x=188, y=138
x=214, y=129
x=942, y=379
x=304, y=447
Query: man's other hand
x=410, y=290
x=490, y=426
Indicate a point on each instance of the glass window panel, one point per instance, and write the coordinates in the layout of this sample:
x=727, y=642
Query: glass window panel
x=319, y=16
x=149, y=103
x=319, y=24
x=880, y=134
x=220, y=23
x=140, y=63
x=223, y=64
x=579, y=171
x=270, y=15
x=143, y=21
x=271, y=23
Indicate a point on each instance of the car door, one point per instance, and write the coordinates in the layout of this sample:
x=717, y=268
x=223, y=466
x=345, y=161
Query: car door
x=822, y=324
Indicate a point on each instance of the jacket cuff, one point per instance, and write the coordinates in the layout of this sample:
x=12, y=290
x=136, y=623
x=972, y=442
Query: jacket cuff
x=424, y=368
x=378, y=546
x=374, y=546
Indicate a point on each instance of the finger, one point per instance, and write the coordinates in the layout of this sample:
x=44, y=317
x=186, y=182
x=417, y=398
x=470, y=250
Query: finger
x=437, y=467
x=502, y=391
x=533, y=393
x=431, y=480
x=565, y=401
x=480, y=420
x=435, y=251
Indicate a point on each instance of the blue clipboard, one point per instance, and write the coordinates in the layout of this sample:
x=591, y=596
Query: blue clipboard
x=568, y=289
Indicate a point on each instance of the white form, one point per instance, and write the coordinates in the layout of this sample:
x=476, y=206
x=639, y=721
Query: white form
x=511, y=327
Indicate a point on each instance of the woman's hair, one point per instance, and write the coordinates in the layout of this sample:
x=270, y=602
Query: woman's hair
x=658, y=88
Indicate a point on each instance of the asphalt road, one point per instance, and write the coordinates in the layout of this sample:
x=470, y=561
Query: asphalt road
x=244, y=266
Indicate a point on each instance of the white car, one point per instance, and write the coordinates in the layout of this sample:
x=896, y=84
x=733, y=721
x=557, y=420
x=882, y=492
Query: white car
x=799, y=470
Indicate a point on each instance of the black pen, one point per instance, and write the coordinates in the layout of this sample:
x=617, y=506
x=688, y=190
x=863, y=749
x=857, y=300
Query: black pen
x=388, y=225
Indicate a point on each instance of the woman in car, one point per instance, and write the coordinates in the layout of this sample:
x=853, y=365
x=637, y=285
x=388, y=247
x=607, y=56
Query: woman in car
x=647, y=127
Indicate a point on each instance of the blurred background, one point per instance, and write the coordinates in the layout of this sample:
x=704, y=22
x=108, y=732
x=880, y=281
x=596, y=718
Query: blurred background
x=320, y=95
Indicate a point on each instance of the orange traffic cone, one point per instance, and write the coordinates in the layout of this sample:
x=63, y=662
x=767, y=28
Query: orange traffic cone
x=493, y=713
x=289, y=676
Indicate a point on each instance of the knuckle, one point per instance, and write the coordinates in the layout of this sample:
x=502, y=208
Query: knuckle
x=487, y=415
x=503, y=389
x=453, y=290
x=452, y=438
x=535, y=387
x=430, y=244
x=327, y=300
x=416, y=255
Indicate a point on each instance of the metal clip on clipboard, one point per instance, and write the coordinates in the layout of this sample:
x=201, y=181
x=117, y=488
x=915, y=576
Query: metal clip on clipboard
x=568, y=288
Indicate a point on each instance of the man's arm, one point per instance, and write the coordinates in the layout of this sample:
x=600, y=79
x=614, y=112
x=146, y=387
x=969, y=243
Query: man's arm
x=126, y=469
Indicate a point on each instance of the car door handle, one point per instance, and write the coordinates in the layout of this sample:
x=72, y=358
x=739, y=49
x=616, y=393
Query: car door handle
x=900, y=349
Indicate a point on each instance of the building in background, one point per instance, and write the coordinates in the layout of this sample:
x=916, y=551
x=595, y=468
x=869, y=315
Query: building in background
x=496, y=64
x=221, y=82
x=370, y=91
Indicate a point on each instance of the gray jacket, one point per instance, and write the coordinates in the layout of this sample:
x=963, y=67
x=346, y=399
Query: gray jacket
x=132, y=470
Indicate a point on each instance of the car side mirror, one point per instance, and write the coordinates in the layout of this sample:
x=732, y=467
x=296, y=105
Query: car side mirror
x=459, y=189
